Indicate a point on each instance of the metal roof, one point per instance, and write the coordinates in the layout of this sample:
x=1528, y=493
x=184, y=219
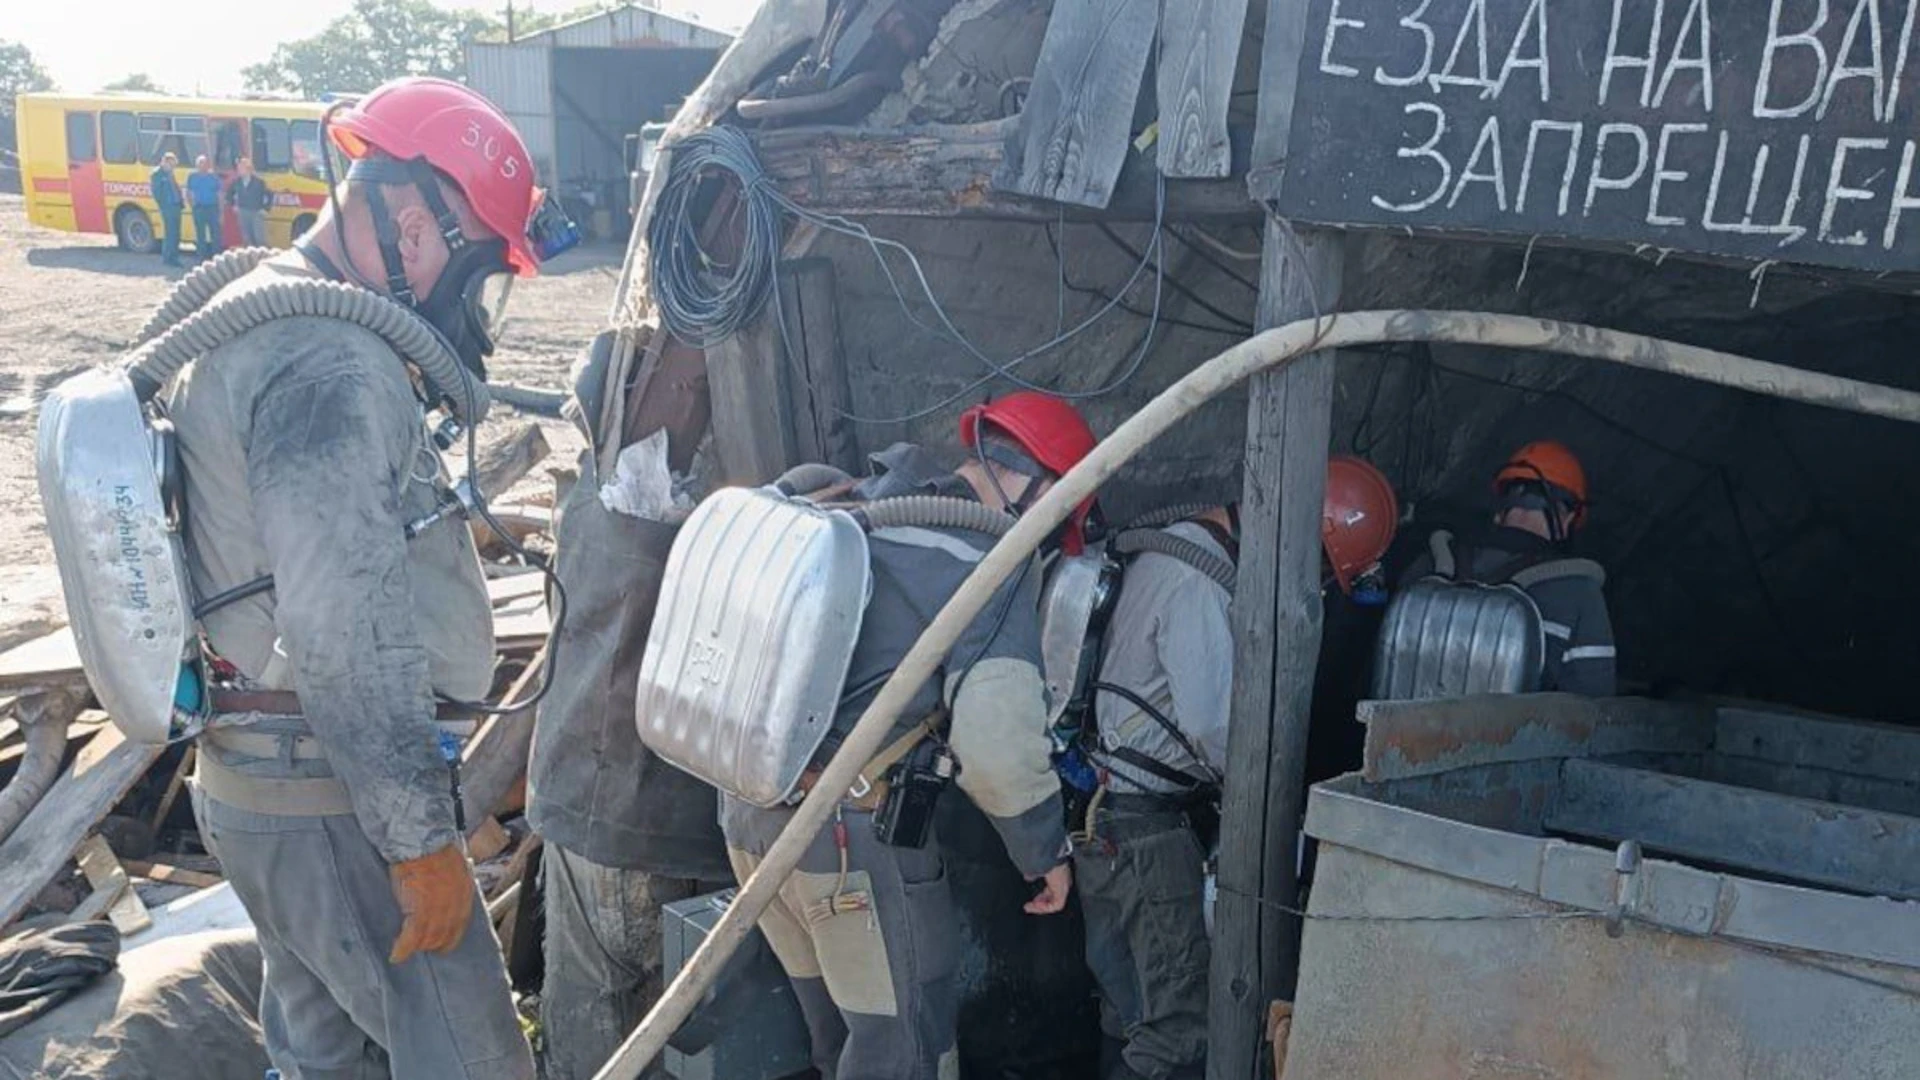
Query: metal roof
x=628, y=27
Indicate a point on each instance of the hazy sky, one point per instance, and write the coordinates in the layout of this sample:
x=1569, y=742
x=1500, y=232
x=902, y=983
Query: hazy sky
x=203, y=45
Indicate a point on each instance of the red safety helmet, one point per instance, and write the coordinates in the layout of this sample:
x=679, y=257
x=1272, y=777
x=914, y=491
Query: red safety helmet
x=1358, y=518
x=1051, y=431
x=459, y=133
x=1552, y=464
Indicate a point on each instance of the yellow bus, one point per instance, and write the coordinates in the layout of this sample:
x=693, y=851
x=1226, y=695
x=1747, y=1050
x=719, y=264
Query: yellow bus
x=85, y=160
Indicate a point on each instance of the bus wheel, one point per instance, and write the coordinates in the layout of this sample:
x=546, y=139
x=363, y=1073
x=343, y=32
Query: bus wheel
x=300, y=226
x=134, y=231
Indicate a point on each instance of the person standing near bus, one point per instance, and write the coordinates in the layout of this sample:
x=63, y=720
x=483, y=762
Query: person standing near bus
x=166, y=195
x=203, y=188
x=250, y=198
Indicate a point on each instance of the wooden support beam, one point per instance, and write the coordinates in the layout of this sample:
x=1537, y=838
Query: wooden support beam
x=1276, y=625
x=101, y=774
x=1798, y=839
x=946, y=170
x=1076, y=126
x=815, y=372
x=496, y=756
x=1199, y=48
x=750, y=427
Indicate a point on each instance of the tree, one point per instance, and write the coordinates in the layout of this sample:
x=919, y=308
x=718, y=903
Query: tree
x=527, y=21
x=137, y=83
x=380, y=40
x=19, y=74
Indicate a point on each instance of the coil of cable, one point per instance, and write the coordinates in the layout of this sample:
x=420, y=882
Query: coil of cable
x=704, y=300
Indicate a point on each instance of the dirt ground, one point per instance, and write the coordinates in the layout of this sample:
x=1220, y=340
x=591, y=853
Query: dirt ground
x=69, y=300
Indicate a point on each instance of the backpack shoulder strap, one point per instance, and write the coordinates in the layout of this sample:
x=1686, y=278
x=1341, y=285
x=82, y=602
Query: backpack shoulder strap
x=1440, y=549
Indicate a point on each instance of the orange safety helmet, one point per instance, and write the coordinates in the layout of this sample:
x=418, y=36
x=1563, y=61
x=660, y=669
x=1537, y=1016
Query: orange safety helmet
x=462, y=135
x=1551, y=464
x=1050, y=430
x=1358, y=518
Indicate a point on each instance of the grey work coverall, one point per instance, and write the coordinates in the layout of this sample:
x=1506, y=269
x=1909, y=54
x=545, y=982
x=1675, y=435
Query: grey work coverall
x=305, y=454
x=878, y=986
x=625, y=832
x=1142, y=874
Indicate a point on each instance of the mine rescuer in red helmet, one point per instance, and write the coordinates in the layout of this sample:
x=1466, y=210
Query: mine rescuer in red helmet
x=865, y=927
x=304, y=441
x=1159, y=752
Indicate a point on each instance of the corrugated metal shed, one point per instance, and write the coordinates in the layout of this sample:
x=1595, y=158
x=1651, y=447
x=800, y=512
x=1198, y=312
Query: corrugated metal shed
x=576, y=90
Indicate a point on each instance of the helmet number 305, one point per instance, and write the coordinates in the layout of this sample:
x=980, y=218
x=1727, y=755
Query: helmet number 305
x=490, y=148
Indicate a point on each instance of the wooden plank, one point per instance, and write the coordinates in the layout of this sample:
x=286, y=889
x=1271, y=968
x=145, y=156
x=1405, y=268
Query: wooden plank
x=99, y=776
x=1276, y=622
x=815, y=372
x=109, y=879
x=178, y=780
x=750, y=430
x=1076, y=128
x=174, y=875
x=1799, y=839
x=947, y=170
x=51, y=662
x=1281, y=48
x=496, y=757
x=1422, y=738
x=1199, y=48
x=487, y=839
x=1810, y=740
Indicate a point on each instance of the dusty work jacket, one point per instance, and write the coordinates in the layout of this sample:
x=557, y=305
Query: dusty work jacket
x=1573, y=609
x=592, y=786
x=305, y=454
x=991, y=680
x=1170, y=642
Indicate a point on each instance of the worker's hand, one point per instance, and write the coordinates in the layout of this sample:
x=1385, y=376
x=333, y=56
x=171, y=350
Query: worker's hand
x=1057, y=882
x=436, y=902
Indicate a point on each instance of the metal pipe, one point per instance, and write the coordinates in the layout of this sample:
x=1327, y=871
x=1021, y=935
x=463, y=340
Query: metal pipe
x=1263, y=352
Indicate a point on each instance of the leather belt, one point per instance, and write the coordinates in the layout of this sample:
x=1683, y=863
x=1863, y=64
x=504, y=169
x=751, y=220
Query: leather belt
x=287, y=703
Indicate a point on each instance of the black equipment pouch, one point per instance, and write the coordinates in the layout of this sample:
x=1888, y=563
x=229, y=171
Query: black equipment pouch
x=905, y=817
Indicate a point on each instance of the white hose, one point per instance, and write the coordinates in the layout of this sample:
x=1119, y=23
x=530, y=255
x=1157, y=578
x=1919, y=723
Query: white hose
x=1269, y=349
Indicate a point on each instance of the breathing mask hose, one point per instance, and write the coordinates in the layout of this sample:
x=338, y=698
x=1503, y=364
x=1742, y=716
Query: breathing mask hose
x=934, y=512
x=190, y=293
x=809, y=478
x=1135, y=541
x=1168, y=515
x=155, y=364
x=1266, y=351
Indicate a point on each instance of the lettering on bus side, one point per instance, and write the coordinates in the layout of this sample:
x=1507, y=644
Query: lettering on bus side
x=1761, y=129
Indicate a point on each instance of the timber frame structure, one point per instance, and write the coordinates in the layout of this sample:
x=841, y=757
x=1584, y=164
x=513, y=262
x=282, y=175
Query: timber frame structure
x=1101, y=135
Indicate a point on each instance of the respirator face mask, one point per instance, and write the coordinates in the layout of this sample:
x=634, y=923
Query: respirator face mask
x=468, y=304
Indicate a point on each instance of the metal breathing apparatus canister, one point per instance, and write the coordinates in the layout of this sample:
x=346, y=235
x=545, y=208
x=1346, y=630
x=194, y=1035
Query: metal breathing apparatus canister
x=109, y=482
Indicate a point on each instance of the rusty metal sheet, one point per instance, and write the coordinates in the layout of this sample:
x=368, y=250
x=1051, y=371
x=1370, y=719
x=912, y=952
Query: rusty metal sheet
x=1420, y=738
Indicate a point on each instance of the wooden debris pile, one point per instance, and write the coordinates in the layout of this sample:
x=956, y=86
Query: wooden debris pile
x=93, y=825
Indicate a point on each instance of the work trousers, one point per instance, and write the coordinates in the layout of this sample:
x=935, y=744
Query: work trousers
x=874, y=971
x=332, y=1007
x=170, y=236
x=253, y=227
x=1142, y=884
x=603, y=956
x=206, y=230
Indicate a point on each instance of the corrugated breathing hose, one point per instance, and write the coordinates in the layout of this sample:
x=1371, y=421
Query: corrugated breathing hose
x=154, y=364
x=198, y=287
x=932, y=512
x=1135, y=541
x=43, y=724
x=1266, y=351
x=1167, y=515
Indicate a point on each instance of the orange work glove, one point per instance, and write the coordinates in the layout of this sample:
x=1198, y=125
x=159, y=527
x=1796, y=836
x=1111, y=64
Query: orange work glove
x=436, y=902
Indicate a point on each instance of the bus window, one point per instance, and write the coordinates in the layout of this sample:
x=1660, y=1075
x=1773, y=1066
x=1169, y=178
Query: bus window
x=80, y=143
x=119, y=138
x=227, y=150
x=185, y=136
x=306, y=148
x=272, y=152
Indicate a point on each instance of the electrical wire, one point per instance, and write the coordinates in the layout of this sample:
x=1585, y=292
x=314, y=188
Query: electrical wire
x=1237, y=330
x=702, y=301
x=1157, y=251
